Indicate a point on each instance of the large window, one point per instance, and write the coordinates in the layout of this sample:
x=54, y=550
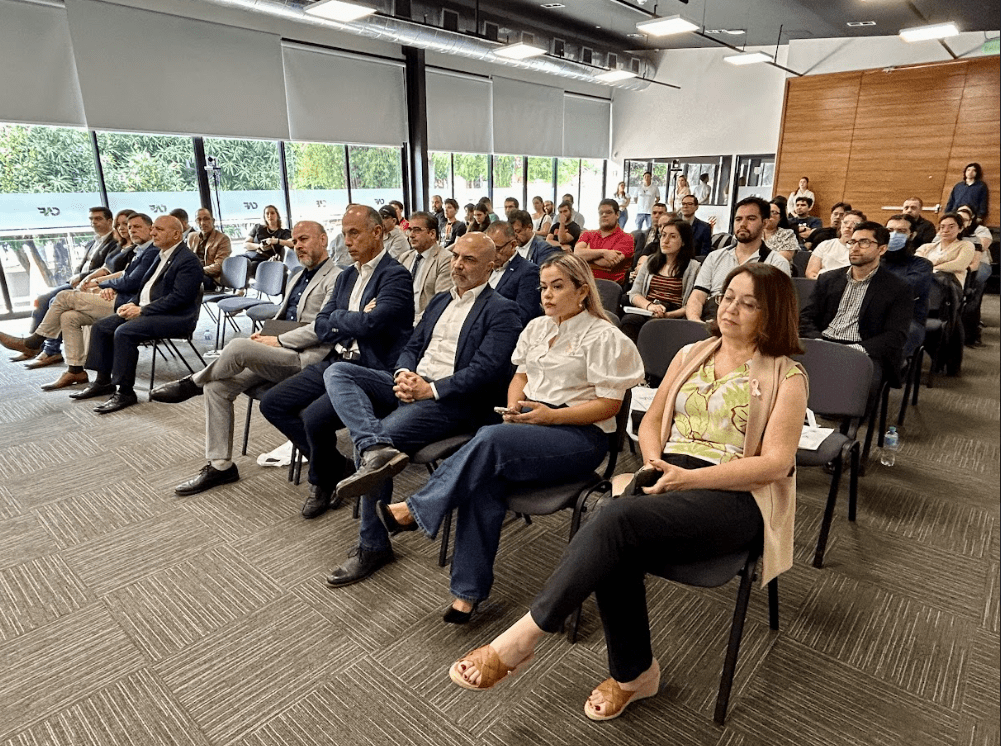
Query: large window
x=376, y=175
x=471, y=180
x=508, y=180
x=440, y=176
x=592, y=188
x=568, y=182
x=317, y=182
x=247, y=178
x=540, y=178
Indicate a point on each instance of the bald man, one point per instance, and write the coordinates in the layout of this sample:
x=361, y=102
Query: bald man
x=164, y=302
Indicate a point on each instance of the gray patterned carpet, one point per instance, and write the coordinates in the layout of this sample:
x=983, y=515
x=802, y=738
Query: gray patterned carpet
x=130, y=616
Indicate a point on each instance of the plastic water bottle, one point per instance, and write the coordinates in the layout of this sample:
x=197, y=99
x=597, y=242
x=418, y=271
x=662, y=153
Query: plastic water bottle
x=207, y=336
x=891, y=444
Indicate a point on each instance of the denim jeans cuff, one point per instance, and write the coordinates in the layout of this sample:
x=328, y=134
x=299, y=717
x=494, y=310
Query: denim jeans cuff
x=418, y=519
x=371, y=441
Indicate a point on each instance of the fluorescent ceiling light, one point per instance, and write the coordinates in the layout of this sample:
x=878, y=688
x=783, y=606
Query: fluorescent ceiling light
x=338, y=10
x=733, y=31
x=924, y=33
x=614, y=76
x=666, y=26
x=519, y=51
x=747, y=58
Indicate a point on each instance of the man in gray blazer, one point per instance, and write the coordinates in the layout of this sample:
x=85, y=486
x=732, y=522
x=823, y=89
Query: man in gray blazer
x=429, y=264
x=247, y=362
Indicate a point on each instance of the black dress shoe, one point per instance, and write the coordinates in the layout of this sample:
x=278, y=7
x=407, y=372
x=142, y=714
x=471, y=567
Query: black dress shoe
x=359, y=566
x=317, y=503
x=95, y=389
x=377, y=465
x=176, y=391
x=392, y=525
x=207, y=478
x=116, y=402
x=454, y=616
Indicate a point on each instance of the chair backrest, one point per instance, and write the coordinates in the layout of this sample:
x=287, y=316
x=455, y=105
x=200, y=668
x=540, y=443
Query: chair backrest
x=613, y=317
x=617, y=439
x=660, y=339
x=271, y=278
x=800, y=260
x=639, y=240
x=839, y=378
x=291, y=261
x=804, y=288
x=723, y=241
x=235, y=272
x=611, y=295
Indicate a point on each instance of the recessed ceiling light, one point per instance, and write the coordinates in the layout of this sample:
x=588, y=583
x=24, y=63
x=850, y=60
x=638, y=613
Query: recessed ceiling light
x=553, y=5
x=857, y=24
x=519, y=51
x=734, y=31
x=924, y=33
x=614, y=76
x=666, y=26
x=338, y=10
x=747, y=58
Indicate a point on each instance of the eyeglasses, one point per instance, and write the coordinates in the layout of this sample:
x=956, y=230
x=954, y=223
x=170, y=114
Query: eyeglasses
x=863, y=243
x=744, y=306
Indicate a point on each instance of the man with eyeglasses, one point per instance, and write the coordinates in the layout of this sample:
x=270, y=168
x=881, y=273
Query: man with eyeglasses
x=702, y=232
x=429, y=264
x=514, y=277
x=865, y=306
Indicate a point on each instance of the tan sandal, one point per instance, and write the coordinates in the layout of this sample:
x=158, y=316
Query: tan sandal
x=616, y=699
x=492, y=669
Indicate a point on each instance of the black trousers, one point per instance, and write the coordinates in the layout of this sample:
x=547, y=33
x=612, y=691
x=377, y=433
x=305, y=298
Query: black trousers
x=633, y=536
x=114, y=344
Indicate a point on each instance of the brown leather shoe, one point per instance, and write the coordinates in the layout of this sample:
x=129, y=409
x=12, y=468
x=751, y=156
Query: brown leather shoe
x=17, y=345
x=65, y=380
x=45, y=360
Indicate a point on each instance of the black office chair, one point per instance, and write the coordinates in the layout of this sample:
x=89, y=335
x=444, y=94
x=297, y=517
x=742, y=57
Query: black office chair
x=804, y=288
x=610, y=294
x=661, y=339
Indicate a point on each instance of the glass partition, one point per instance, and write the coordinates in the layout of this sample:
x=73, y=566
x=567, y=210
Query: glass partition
x=471, y=181
x=508, y=180
x=249, y=179
x=540, y=178
x=376, y=175
x=317, y=182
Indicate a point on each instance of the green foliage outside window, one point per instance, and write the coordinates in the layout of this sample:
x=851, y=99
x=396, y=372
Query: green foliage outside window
x=36, y=160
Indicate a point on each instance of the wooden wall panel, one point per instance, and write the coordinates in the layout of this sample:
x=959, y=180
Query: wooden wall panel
x=875, y=137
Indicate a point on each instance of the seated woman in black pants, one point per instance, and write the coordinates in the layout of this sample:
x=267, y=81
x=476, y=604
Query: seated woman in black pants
x=720, y=440
x=268, y=240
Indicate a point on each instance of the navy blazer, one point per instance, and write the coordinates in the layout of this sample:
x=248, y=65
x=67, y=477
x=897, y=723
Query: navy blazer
x=520, y=283
x=538, y=250
x=483, y=354
x=176, y=290
x=702, y=234
x=128, y=281
x=380, y=333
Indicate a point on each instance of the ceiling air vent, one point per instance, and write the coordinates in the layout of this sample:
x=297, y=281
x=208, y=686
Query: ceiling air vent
x=401, y=9
x=450, y=20
x=491, y=31
x=613, y=61
x=527, y=38
x=587, y=55
x=559, y=48
x=634, y=65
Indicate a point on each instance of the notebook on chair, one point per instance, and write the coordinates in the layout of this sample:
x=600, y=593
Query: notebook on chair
x=274, y=327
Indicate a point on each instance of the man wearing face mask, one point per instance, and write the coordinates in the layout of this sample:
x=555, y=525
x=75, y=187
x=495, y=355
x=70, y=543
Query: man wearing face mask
x=914, y=270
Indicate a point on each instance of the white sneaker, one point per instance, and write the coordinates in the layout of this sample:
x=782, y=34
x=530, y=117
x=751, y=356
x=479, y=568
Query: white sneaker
x=281, y=456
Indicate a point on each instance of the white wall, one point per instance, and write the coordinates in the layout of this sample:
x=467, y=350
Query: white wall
x=818, y=56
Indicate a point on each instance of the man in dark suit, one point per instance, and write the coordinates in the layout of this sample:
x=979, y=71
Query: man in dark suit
x=367, y=320
x=163, y=303
x=454, y=369
x=513, y=277
x=865, y=306
x=532, y=247
x=702, y=232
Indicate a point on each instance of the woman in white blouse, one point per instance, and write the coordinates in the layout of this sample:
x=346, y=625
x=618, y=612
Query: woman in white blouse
x=802, y=191
x=573, y=371
x=541, y=220
x=951, y=254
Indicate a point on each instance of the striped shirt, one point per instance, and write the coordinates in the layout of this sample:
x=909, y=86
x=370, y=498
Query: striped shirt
x=844, y=326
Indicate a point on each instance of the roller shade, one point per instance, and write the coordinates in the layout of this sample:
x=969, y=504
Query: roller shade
x=458, y=113
x=39, y=81
x=527, y=118
x=586, y=123
x=190, y=77
x=337, y=97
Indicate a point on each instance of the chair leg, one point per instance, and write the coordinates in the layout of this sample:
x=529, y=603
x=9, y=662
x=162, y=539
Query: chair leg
x=917, y=374
x=773, y=603
x=869, y=431
x=574, y=625
x=853, y=482
x=884, y=405
x=291, y=463
x=825, y=525
x=446, y=531
x=908, y=385
x=732, y=650
x=152, y=368
x=298, y=469
x=194, y=349
x=356, y=509
x=246, y=426
x=177, y=352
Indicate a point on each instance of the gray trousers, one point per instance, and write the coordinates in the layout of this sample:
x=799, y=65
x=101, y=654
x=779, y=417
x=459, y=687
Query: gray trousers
x=68, y=313
x=242, y=364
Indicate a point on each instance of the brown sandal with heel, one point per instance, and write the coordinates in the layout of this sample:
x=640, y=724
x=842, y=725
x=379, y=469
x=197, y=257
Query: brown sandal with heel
x=492, y=669
x=616, y=699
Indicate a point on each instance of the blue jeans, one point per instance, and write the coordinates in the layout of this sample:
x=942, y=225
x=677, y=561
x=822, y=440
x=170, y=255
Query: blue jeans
x=623, y=218
x=50, y=346
x=475, y=481
x=642, y=221
x=364, y=401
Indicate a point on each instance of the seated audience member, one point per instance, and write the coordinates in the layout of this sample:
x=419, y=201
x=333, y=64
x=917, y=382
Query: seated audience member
x=577, y=217
x=510, y=205
x=832, y=231
x=71, y=310
x=719, y=450
x=608, y=251
x=210, y=246
x=971, y=191
x=438, y=210
x=530, y=245
x=980, y=270
x=651, y=239
x=541, y=218
x=915, y=271
x=646, y=195
x=446, y=381
x=428, y=263
x=514, y=277
x=120, y=256
x=564, y=232
x=641, y=255
x=950, y=253
x=833, y=253
x=368, y=319
x=748, y=225
x=451, y=227
x=665, y=280
x=702, y=232
x=489, y=205
x=393, y=239
x=95, y=252
x=337, y=250
x=267, y=240
x=245, y=363
x=481, y=218
x=802, y=191
x=573, y=371
x=186, y=229
x=163, y=302
x=401, y=213
x=867, y=306
x=470, y=208
x=778, y=236
x=802, y=222
x=924, y=230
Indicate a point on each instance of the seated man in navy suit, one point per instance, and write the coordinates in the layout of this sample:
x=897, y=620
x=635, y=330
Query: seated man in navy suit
x=513, y=277
x=531, y=246
x=702, y=232
x=450, y=374
x=162, y=303
x=367, y=320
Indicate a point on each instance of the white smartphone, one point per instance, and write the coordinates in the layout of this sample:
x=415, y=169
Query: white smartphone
x=504, y=410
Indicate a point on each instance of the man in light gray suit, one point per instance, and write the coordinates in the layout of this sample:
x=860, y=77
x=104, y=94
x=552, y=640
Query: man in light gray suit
x=247, y=362
x=429, y=264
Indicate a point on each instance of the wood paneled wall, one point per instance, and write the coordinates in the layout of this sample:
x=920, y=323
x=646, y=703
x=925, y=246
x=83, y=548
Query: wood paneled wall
x=875, y=137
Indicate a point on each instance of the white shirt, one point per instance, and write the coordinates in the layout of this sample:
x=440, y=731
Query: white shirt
x=438, y=360
x=365, y=272
x=165, y=254
x=395, y=242
x=833, y=254
x=718, y=264
x=701, y=192
x=588, y=359
x=646, y=196
x=497, y=274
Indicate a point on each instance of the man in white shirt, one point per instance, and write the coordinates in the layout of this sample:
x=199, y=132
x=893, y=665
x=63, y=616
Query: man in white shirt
x=646, y=196
x=578, y=218
x=454, y=369
x=428, y=263
x=702, y=190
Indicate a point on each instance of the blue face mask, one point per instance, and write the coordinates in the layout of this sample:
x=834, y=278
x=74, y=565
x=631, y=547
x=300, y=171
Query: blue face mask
x=897, y=241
